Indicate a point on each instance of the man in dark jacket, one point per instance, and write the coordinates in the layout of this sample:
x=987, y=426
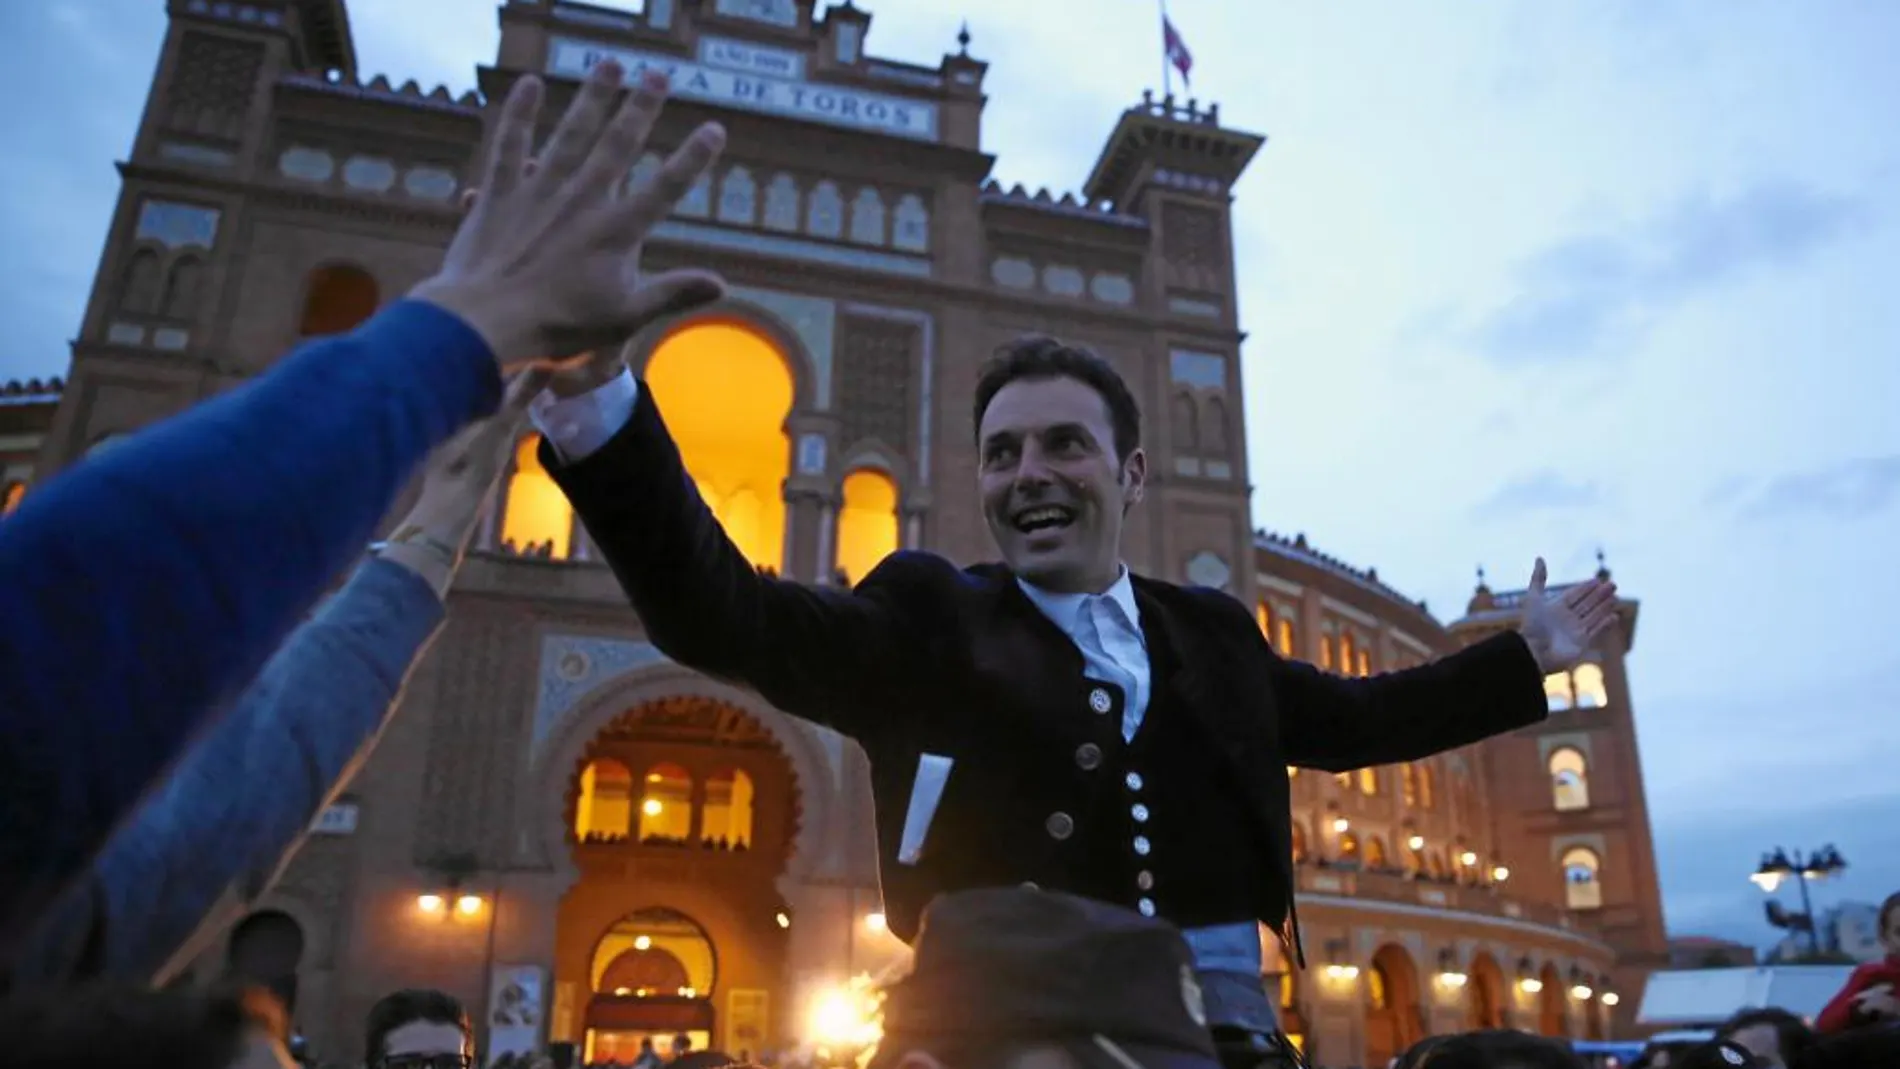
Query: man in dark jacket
x=1053, y=720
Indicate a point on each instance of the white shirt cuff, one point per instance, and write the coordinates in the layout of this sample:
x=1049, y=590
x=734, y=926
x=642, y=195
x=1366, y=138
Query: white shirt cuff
x=578, y=426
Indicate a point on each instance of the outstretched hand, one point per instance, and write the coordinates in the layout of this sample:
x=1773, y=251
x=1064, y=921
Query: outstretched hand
x=1559, y=628
x=545, y=265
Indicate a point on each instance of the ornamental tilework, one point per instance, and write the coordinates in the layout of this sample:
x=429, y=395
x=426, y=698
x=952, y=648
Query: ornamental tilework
x=814, y=320
x=574, y=665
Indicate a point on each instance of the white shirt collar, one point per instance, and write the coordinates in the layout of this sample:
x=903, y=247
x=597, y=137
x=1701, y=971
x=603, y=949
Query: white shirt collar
x=1066, y=609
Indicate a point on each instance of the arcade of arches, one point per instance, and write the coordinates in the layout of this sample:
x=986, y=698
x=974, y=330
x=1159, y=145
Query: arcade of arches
x=682, y=814
x=726, y=391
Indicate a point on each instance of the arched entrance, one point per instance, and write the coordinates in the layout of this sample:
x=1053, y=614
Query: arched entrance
x=1484, y=995
x=1550, y=1003
x=680, y=816
x=653, y=975
x=1393, y=1020
x=265, y=949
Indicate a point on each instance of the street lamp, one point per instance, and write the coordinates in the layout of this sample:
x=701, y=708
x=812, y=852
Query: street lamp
x=1778, y=866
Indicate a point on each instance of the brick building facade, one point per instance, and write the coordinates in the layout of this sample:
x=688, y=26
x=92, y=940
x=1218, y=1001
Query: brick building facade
x=589, y=843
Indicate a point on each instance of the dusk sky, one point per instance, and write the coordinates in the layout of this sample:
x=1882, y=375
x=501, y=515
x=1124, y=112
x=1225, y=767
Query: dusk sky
x=1518, y=277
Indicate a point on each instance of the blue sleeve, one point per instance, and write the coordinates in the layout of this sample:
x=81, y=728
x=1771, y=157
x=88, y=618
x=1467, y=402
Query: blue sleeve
x=245, y=793
x=146, y=586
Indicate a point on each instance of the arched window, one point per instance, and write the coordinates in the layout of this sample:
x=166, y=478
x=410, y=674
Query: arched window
x=604, y=809
x=1263, y=616
x=1348, y=848
x=536, y=518
x=139, y=285
x=738, y=197
x=1186, y=425
x=1365, y=662
x=336, y=299
x=1375, y=852
x=781, y=203
x=1587, y=679
x=650, y=948
x=867, y=522
x=733, y=441
x=266, y=948
x=1346, y=650
x=867, y=217
x=1569, y=779
x=727, y=820
x=826, y=207
x=1369, y=781
x=181, y=288
x=910, y=224
x=1214, y=429
x=666, y=805
x=1557, y=691
x=1583, y=888
x=1286, y=635
x=697, y=202
x=11, y=499
x=1326, y=651
x=1408, y=783
x=1425, y=794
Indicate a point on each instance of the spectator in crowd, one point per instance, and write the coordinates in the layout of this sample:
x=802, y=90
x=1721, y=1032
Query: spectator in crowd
x=1872, y=991
x=178, y=561
x=200, y=851
x=1025, y=979
x=418, y=1029
x=1775, y=1036
x=1721, y=1054
x=1491, y=1049
x=126, y=1027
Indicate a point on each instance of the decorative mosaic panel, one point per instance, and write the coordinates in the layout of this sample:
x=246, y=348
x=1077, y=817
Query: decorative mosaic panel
x=213, y=85
x=1190, y=237
x=875, y=358
x=574, y=665
x=177, y=226
x=813, y=319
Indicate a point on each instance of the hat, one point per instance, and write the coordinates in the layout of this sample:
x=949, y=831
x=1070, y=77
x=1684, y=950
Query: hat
x=1018, y=966
x=1721, y=1054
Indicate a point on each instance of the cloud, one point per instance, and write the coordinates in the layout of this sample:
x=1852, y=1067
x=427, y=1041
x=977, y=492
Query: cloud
x=1849, y=490
x=1596, y=292
x=1542, y=491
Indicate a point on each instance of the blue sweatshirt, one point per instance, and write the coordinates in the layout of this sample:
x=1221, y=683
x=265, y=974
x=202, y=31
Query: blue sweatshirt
x=142, y=590
x=216, y=833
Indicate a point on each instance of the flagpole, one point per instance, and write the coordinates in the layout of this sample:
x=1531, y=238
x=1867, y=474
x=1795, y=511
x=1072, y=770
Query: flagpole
x=1167, y=70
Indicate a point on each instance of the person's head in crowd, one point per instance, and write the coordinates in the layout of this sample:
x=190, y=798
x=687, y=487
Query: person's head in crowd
x=1491, y=1049
x=1890, y=926
x=1777, y=1037
x=681, y=1044
x=1058, y=436
x=418, y=1028
x=1026, y=979
x=1720, y=1054
x=128, y=1027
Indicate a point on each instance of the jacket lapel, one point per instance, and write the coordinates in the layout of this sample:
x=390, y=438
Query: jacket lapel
x=1189, y=682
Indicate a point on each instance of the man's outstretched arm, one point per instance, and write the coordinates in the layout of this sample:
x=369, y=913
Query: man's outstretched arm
x=821, y=653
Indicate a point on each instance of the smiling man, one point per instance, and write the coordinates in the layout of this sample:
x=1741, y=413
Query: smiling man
x=1054, y=719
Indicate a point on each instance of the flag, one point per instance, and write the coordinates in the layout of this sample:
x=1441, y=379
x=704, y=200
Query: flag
x=1178, y=54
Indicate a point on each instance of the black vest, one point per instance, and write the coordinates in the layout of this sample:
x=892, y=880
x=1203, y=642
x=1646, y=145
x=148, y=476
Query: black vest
x=1151, y=799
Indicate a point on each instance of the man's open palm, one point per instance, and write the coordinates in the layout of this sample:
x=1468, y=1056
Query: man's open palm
x=1560, y=627
x=546, y=263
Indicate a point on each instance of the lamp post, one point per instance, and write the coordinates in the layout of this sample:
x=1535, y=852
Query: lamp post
x=1779, y=865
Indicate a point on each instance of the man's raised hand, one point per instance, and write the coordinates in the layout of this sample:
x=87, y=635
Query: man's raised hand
x=545, y=265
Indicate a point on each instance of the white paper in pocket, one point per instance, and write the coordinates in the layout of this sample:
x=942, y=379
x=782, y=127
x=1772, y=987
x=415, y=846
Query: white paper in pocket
x=933, y=771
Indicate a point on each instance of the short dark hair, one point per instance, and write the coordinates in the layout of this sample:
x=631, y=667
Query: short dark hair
x=1039, y=356
x=126, y=1025
x=408, y=1006
x=1496, y=1048
x=1888, y=909
x=1792, y=1034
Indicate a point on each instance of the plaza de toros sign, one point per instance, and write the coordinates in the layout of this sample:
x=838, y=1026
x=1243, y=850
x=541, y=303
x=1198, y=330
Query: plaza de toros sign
x=736, y=76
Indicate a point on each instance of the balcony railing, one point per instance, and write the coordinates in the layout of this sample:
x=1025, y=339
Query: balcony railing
x=1384, y=886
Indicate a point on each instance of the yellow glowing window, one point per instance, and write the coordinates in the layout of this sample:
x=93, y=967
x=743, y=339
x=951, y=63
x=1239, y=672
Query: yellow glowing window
x=536, y=513
x=605, y=806
x=1264, y=617
x=1286, y=636
x=1591, y=692
x=867, y=522
x=1326, y=651
x=725, y=391
x=1369, y=780
x=1365, y=663
x=666, y=804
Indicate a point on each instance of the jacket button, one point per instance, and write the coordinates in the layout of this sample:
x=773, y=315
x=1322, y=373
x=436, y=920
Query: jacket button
x=1133, y=780
x=1145, y=880
x=1100, y=701
x=1059, y=825
x=1140, y=813
x=1088, y=757
x=1146, y=906
x=1141, y=844
x=1031, y=885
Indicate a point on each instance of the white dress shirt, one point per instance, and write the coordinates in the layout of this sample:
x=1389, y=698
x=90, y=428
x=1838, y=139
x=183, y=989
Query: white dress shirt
x=1106, y=627
x=577, y=426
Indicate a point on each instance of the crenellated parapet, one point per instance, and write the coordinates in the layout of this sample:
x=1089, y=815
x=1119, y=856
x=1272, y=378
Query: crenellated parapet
x=381, y=90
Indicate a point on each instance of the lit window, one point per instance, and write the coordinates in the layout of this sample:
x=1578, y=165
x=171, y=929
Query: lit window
x=1408, y=783
x=1346, y=651
x=1369, y=781
x=733, y=441
x=604, y=809
x=1425, y=786
x=1588, y=681
x=1264, y=617
x=1326, y=651
x=1583, y=889
x=727, y=820
x=666, y=805
x=1375, y=852
x=1348, y=846
x=1569, y=779
x=536, y=517
x=867, y=523
x=1557, y=691
x=1344, y=779
x=1286, y=634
